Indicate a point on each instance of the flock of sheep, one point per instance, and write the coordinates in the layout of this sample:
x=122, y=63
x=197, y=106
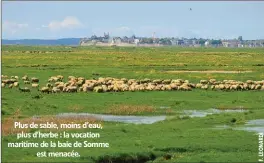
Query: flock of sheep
x=56, y=84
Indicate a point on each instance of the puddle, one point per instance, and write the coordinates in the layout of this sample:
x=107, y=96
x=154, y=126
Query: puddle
x=256, y=125
x=116, y=118
x=203, y=113
x=251, y=126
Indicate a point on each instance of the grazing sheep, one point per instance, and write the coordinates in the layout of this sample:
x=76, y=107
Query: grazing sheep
x=221, y=86
x=25, y=89
x=80, y=82
x=10, y=85
x=203, y=81
x=4, y=76
x=249, y=82
x=212, y=87
x=212, y=81
x=71, y=89
x=98, y=89
x=257, y=87
x=60, y=77
x=105, y=89
x=198, y=85
x=226, y=86
x=45, y=90
x=71, y=77
x=25, y=77
x=252, y=87
x=34, y=85
x=166, y=81
x=184, y=88
x=146, y=80
x=60, y=87
x=3, y=85
x=34, y=80
x=49, y=85
x=16, y=84
x=8, y=81
x=173, y=86
x=26, y=82
x=204, y=87
x=168, y=87
x=55, y=90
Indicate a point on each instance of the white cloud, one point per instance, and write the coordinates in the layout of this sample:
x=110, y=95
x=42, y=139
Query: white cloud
x=68, y=22
x=13, y=27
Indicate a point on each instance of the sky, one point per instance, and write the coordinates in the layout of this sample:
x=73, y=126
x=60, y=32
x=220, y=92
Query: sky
x=75, y=19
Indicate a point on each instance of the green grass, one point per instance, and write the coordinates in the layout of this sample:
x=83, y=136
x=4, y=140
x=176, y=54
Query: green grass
x=182, y=140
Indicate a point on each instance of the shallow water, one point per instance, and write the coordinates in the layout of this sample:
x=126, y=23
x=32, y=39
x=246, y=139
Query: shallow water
x=203, y=113
x=116, y=118
x=251, y=126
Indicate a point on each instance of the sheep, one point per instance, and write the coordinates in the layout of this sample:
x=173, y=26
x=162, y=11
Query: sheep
x=98, y=89
x=80, y=82
x=26, y=82
x=186, y=81
x=55, y=90
x=25, y=77
x=212, y=87
x=71, y=77
x=257, y=87
x=221, y=86
x=227, y=86
x=10, y=85
x=184, y=88
x=25, y=89
x=8, y=81
x=203, y=81
x=71, y=89
x=34, y=80
x=166, y=81
x=16, y=84
x=49, y=85
x=167, y=87
x=212, y=81
x=4, y=76
x=252, y=87
x=3, y=85
x=58, y=83
x=60, y=87
x=105, y=89
x=60, y=77
x=131, y=81
x=249, y=82
x=204, y=87
x=146, y=80
x=173, y=86
x=198, y=85
x=34, y=85
x=45, y=90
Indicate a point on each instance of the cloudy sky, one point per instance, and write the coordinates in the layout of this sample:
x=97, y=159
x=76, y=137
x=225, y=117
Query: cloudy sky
x=51, y=20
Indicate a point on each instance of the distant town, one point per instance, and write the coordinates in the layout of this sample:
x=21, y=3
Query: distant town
x=106, y=40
